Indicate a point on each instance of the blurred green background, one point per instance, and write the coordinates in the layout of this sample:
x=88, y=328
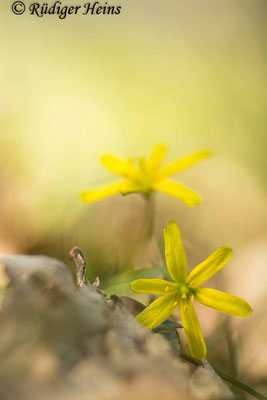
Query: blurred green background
x=191, y=74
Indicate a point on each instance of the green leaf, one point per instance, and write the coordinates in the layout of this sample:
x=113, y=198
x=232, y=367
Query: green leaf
x=123, y=279
x=169, y=330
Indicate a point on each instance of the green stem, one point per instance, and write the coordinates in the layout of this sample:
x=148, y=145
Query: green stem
x=149, y=215
x=147, y=233
x=227, y=378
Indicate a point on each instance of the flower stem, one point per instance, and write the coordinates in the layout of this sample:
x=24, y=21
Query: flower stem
x=227, y=378
x=147, y=232
x=149, y=215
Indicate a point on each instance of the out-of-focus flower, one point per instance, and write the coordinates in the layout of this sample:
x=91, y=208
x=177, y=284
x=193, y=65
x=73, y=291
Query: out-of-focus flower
x=146, y=176
x=185, y=289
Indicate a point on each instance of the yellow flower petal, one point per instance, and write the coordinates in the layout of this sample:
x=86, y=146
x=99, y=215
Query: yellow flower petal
x=174, y=252
x=192, y=329
x=204, y=271
x=158, y=311
x=119, y=167
x=184, y=163
x=224, y=302
x=89, y=196
x=175, y=189
x=153, y=286
x=157, y=156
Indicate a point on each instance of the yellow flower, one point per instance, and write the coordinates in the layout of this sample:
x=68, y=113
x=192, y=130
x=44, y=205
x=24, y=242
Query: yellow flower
x=147, y=177
x=185, y=289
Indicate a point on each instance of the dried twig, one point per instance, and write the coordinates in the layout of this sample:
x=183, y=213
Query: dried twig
x=96, y=282
x=77, y=257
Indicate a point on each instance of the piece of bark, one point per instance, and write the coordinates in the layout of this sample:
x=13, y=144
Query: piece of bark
x=67, y=343
x=20, y=268
x=206, y=384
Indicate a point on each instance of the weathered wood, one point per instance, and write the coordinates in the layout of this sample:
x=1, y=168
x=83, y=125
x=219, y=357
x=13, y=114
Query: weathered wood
x=60, y=342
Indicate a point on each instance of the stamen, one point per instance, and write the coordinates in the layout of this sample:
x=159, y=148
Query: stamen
x=183, y=296
x=192, y=297
x=175, y=303
x=185, y=308
x=167, y=288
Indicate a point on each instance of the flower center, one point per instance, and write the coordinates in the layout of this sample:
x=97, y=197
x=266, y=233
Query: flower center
x=186, y=292
x=144, y=177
